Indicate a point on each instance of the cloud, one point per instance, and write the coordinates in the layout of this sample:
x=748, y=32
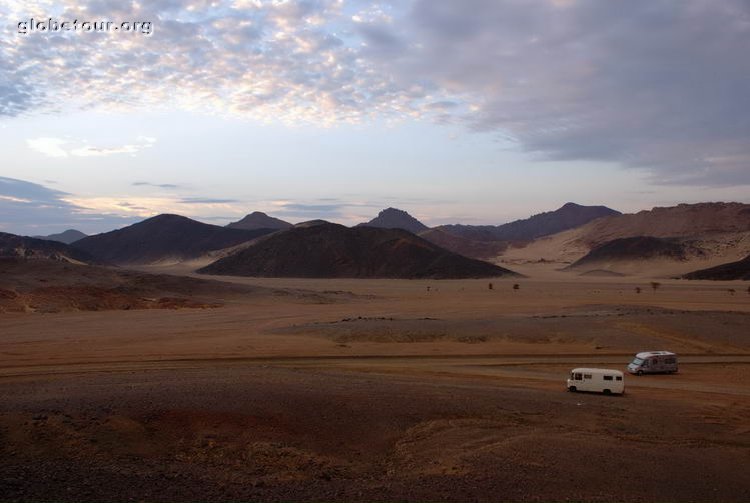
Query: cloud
x=32, y=209
x=157, y=185
x=54, y=147
x=333, y=209
x=652, y=84
x=659, y=85
x=51, y=147
x=206, y=200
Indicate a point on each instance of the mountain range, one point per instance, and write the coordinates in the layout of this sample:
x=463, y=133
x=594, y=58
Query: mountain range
x=486, y=242
x=568, y=216
x=688, y=236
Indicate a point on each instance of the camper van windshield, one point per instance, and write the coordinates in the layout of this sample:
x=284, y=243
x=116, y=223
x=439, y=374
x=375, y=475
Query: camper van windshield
x=637, y=361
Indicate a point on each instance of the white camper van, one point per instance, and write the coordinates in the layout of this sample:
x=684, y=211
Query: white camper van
x=605, y=381
x=653, y=362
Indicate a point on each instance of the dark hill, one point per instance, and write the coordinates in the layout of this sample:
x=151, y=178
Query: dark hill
x=636, y=248
x=67, y=237
x=724, y=272
x=568, y=216
x=33, y=248
x=392, y=218
x=164, y=237
x=259, y=220
x=334, y=251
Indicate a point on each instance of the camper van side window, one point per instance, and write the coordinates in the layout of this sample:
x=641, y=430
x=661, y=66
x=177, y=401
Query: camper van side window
x=578, y=377
x=618, y=378
x=607, y=378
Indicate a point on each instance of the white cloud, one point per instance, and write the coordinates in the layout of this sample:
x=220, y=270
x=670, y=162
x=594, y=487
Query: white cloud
x=12, y=199
x=55, y=147
x=654, y=84
x=51, y=147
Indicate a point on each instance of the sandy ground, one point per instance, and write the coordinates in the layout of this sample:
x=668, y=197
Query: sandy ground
x=547, y=255
x=382, y=390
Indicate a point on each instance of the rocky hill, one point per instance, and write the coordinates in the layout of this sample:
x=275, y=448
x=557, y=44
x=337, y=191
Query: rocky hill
x=259, y=220
x=637, y=248
x=334, y=251
x=724, y=272
x=720, y=230
x=682, y=221
x=33, y=248
x=67, y=237
x=392, y=218
x=163, y=238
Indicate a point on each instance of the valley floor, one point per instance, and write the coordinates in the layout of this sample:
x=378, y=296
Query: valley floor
x=381, y=390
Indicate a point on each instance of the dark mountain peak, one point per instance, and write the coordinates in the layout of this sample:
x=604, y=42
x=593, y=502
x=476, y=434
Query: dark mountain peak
x=570, y=206
x=164, y=237
x=391, y=211
x=393, y=218
x=259, y=220
x=69, y=236
x=575, y=207
x=330, y=250
x=314, y=223
x=166, y=218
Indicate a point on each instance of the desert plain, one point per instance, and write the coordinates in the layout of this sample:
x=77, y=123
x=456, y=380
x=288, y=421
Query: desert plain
x=380, y=390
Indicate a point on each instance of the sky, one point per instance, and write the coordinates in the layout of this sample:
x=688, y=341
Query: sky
x=470, y=111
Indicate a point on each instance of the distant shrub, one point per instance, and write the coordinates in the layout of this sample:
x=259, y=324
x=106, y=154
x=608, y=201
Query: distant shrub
x=490, y=286
x=731, y=291
x=638, y=289
x=516, y=286
x=655, y=285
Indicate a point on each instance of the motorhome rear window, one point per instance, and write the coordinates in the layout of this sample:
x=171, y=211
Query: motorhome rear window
x=618, y=378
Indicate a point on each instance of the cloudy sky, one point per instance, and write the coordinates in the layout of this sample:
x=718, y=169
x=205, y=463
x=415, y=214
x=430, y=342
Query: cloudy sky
x=474, y=111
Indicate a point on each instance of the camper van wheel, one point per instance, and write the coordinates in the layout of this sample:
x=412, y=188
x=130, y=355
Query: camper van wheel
x=573, y=389
x=607, y=392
